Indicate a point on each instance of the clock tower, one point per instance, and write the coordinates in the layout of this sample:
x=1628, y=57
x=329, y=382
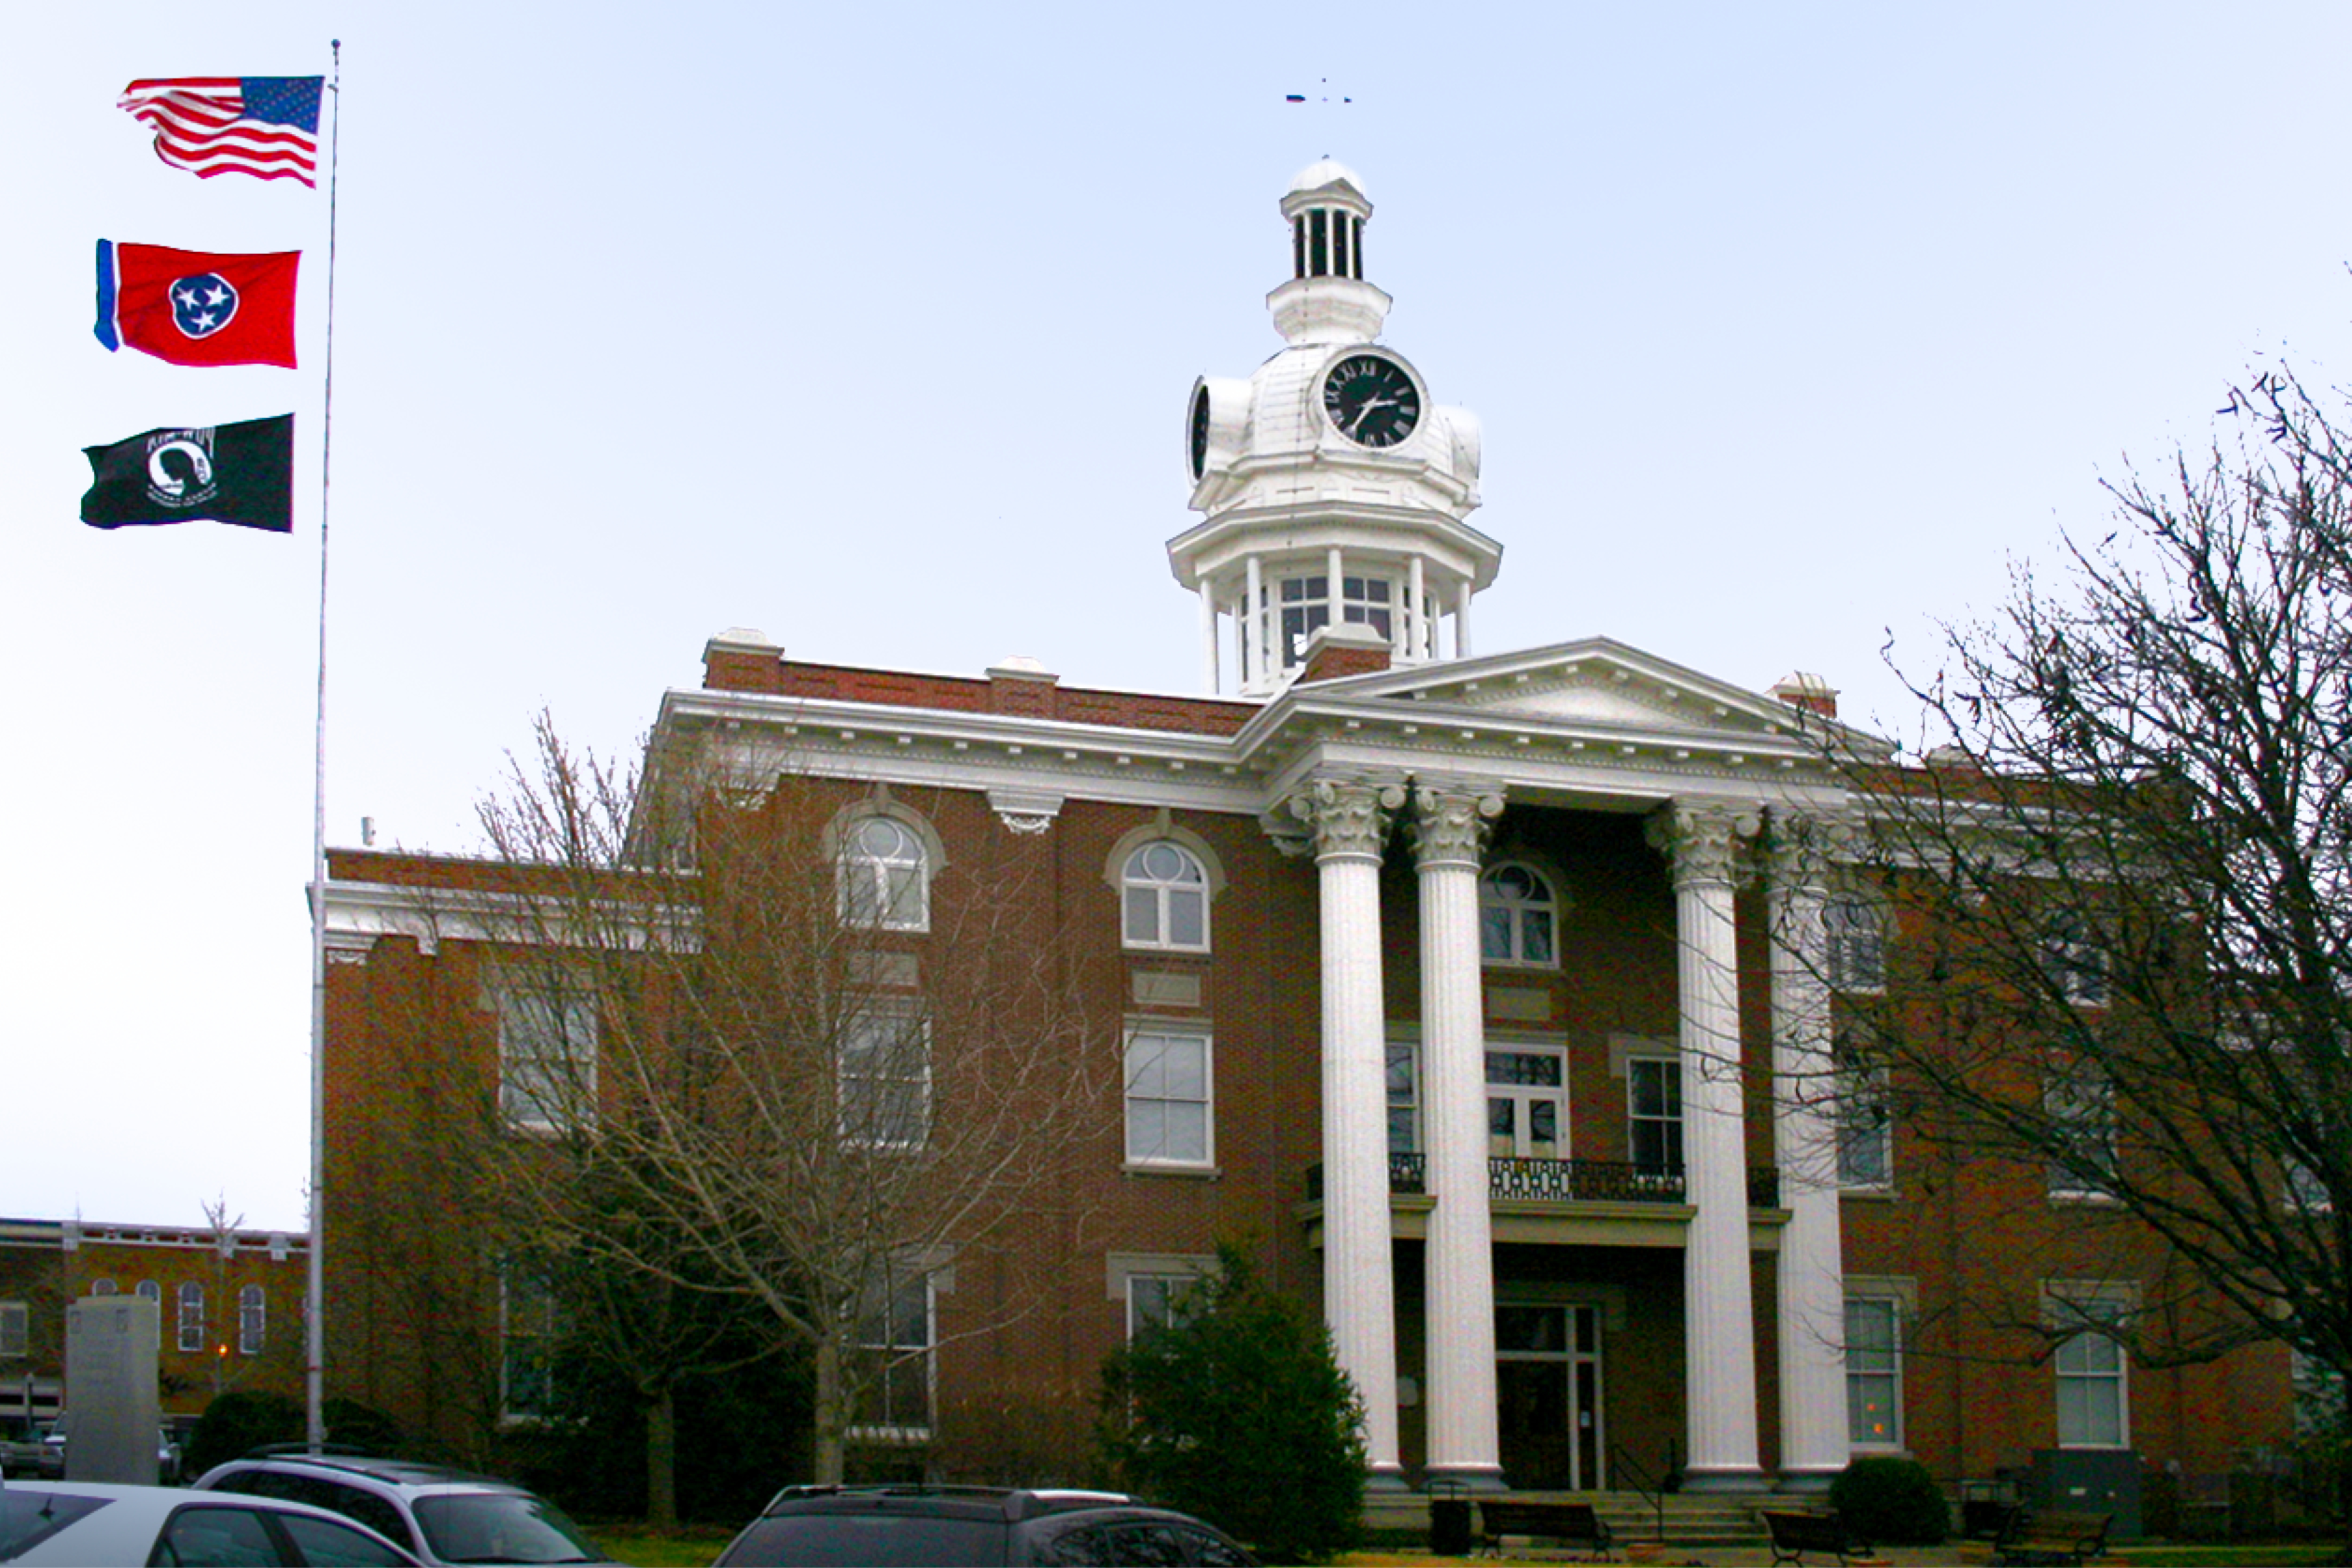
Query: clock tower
x=1332, y=489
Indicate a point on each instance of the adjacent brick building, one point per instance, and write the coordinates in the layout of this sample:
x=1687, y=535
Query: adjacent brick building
x=1461, y=986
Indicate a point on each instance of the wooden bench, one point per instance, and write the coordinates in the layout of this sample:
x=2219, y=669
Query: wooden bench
x=1794, y=1534
x=2052, y=1538
x=1571, y=1523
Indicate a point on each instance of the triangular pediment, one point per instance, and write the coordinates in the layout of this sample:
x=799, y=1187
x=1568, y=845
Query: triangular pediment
x=1596, y=684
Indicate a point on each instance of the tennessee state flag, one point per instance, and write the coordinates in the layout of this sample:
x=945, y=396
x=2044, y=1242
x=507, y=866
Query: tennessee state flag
x=192, y=308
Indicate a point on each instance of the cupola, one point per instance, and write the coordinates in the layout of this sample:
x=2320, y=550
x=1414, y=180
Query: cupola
x=1334, y=491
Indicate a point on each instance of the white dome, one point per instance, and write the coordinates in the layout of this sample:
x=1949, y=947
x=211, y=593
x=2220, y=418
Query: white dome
x=1322, y=172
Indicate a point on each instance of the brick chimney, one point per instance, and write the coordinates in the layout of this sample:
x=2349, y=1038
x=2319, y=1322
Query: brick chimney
x=1349, y=648
x=1808, y=692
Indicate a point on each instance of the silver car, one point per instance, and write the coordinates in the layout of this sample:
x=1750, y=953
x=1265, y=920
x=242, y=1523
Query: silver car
x=441, y=1515
x=90, y=1521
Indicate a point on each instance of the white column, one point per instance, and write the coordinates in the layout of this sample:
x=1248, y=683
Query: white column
x=1416, y=612
x=1254, y=670
x=1719, y=1298
x=1209, y=635
x=1450, y=825
x=1813, y=1436
x=1350, y=819
x=1462, y=620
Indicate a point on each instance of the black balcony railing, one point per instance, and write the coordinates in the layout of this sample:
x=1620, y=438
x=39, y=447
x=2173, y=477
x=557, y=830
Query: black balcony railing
x=1568, y=1181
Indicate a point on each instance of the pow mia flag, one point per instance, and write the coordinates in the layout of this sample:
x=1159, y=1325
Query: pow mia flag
x=241, y=473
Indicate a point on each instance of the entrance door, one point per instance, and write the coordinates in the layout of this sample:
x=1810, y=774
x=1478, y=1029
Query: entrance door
x=1547, y=1383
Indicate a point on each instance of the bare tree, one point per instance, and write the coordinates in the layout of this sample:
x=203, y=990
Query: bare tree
x=746, y=1052
x=2124, y=878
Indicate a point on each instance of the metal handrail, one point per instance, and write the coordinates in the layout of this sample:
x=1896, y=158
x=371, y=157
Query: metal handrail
x=1567, y=1181
x=1650, y=1488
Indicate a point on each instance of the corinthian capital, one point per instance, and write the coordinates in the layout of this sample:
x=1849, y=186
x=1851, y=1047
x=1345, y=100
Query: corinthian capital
x=1702, y=837
x=1348, y=816
x=1452, y=820
x=1804, y=847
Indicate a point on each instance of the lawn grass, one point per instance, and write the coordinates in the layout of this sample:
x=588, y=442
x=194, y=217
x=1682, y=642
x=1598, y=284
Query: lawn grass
x=691, y=1546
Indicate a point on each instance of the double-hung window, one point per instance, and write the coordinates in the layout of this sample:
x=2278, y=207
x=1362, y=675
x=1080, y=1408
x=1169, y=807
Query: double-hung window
x=2091, y=1371
x=15, y=1329
x=1873, y=1372
x=1654, y=1114
x=885, y=1080
x=192, y=1315
x=547, y=1056
x=252, y=1319
x=530, y=1326
x=1865, y=1129
x=1165, y=897
x=1157, y=1300
x=2080, y=1106
x=893, y=1341
x=1170, y=1119
x=1854, y=943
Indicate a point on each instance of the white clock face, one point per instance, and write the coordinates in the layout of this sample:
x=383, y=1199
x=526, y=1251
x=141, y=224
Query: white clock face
x=1371, y=399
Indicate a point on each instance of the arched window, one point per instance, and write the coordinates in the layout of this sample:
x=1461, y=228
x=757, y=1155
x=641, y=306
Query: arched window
x=101, y=1287
x=1166, y=895
x=149, y=1291
x=884, y=877
x=1518, y=918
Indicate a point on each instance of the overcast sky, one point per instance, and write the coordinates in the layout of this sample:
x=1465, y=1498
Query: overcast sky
x=1791, y=326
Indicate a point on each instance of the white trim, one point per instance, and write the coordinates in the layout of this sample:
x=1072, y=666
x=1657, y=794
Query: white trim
x=1155, y=1028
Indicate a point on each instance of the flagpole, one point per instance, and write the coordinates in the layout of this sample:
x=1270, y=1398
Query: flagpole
x=314, y=1326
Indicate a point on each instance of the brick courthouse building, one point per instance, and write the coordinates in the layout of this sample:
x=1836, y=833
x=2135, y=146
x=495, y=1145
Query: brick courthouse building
x=1446, y=978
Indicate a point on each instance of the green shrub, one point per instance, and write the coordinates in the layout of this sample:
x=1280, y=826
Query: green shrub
x=239, y=1420
x=1237, y=1411
x=1893, y=1503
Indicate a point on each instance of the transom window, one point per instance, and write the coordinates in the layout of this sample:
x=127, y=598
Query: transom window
x=1167, y=1099
x=1653, y=1113
x=1518, y=918
x=1166, y=893
x=885, y=877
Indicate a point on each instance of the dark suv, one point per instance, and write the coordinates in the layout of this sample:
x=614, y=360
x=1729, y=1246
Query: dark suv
x=440, y=1514
x=914, y=1527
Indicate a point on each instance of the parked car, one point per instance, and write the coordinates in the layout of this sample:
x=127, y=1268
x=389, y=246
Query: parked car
x=89, y=1521
x=915, y=1527
x=441, y=1515
x=51, y=1451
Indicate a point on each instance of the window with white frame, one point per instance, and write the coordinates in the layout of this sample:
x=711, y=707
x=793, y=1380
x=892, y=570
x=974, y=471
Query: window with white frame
x=1518, y=918
x=1168, y=1099
x=1526, y=1101
x=884, y=877
x=1157, y=1300
x=192, y=1315
x=2081, y=1107
x=893, y=1343
x=15, y=1329
x=149, y=1291
x=1165, y=894
x=1873, y=1372
x=1653, y=1113
x=1865, y=1126
x=252, y=1319
x=884, y=1080
x=2090, y=1372
x=546, y=1056
x=529, y=1328
x=1404, y=1097
x=2073, y=961
x=101, y=1287
x=1854, y=943
x=1306, y=608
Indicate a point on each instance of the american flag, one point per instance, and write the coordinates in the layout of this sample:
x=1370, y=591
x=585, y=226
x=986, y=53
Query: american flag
x=264, y=126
